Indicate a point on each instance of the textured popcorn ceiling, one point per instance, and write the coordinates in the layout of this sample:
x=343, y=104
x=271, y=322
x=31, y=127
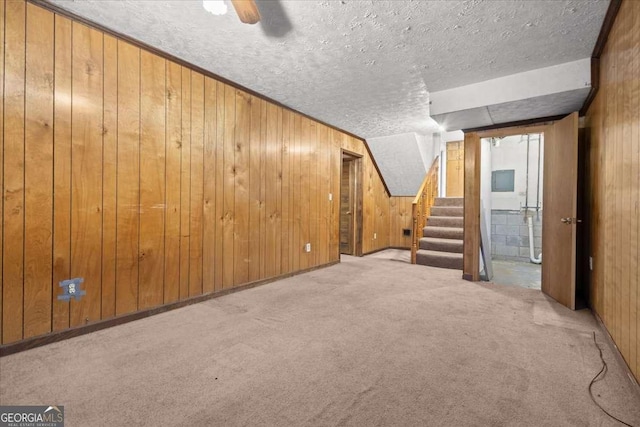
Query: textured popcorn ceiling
x=364, y=66
x=400, y=163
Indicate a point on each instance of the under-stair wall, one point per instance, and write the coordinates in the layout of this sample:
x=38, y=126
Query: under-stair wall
x=400, y=213
x=153, y=181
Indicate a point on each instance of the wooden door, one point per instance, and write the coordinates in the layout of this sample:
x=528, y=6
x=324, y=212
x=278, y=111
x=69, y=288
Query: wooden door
x=559, y=211
x=455, y=169
x=347, y=207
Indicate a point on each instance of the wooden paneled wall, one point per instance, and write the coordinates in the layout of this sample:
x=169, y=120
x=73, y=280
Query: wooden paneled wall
x=153, y=182
x=613, y=129
x=400, y=218
x=471, y=251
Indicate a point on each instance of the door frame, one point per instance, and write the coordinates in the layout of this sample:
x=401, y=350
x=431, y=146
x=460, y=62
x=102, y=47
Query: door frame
x=557, y=282
x=472, y=165
x=357, y=217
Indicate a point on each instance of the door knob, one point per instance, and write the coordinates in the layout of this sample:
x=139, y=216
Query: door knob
x=570, y=220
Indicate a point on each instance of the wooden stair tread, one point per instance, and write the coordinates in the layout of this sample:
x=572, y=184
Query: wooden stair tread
x=440, y=254
x=440, y=240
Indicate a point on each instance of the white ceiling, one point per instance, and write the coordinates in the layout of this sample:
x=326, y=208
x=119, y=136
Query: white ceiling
x=556, y=104
x=364, y=66
x=400, y=162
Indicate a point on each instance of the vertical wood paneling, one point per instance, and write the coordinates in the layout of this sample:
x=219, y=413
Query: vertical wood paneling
x=277, y=209
x=209, y=209
x=241, y=224
x=149, y=180
x=13, y=190
x=615, y=189
x=109, y=177
x=152, y=180
x=368, y=208
x=624, y=182
x=634, y=105
x=197, y=183
x=313, y=194
x=270, y=191
x=286, y=193
x=471, y=268
x=219, y=179
x=263, y=188
x=229, y=186
x=296, y=211
x=335, y=188
x=594, y=124
x=617, y=248
x=62, y=170
x=254, y=190
x=38, y=171
x=400, y=218
x=609, y=202
x=291, y=183
x=185, y=185
x=128, y=178
x=323, y=195
x=2, y=4
x=173, y=160
x=384, y=218
x=305, y=186
x=86, y=171
x=614, y=132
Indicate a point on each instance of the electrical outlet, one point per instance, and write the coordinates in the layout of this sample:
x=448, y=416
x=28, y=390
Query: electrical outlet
x=307, y=247
x=375, y=236
x=591, y=263
x=330, y=196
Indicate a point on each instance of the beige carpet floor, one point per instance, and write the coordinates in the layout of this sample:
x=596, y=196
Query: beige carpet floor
x=368, y=342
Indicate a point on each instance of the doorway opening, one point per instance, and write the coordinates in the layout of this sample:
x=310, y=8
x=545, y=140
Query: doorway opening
x=511, y=194
x=351, y=204
x=560, y=206
x=455, y=169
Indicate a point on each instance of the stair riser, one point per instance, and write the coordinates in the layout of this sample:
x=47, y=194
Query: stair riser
x=454, y=246
x=425, y=259
x=447, y=211
x=445, y=221
x=449, y=201
x=443, y=233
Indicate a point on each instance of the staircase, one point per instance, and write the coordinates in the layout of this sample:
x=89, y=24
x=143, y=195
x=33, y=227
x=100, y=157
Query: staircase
x=441, y=244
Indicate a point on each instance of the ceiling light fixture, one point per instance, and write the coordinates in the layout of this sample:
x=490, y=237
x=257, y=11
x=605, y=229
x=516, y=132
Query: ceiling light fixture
x=216, y=7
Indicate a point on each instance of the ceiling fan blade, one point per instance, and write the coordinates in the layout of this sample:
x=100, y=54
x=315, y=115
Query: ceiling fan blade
x=247, y=11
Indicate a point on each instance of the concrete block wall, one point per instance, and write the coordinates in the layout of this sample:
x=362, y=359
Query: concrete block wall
x=510, y=235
